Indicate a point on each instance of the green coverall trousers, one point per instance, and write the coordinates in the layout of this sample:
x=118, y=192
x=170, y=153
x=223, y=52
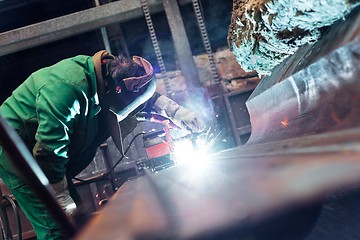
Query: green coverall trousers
x=44, y=225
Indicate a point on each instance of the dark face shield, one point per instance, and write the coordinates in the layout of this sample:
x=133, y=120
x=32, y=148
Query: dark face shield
x=130, y=93
x=125, y=103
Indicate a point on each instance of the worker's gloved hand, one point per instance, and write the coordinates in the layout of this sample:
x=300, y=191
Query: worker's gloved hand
x=63, y=197
x=181, y=116
x=187, y=119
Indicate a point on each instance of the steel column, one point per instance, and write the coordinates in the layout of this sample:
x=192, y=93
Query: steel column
x=182, y=46
x=104, y=34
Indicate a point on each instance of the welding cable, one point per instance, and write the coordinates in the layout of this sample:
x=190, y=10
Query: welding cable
x=126, y=150
x=16, y=213
x=104, y=175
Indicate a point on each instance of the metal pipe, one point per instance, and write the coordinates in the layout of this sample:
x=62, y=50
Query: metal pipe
x=16, y=213
x=5, y=225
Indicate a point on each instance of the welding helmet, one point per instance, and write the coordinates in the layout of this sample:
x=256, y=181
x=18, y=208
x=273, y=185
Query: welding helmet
x=131, y=93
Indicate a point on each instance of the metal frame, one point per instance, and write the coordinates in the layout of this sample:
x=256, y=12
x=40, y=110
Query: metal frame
x=98, y=17
x=73, y=24
x=236, y=130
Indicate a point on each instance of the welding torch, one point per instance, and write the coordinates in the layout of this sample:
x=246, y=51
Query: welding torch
x=155, y=117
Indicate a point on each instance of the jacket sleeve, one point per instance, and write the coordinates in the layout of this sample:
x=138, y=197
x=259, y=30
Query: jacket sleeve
x=58, y=109
x=180, y=116
x=163, y=105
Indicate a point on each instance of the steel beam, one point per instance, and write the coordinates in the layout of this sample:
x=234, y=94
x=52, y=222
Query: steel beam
x=73, y=24
x=233, y=189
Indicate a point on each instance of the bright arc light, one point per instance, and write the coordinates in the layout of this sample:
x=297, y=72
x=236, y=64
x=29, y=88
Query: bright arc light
x=186, y=154
x=196, y=161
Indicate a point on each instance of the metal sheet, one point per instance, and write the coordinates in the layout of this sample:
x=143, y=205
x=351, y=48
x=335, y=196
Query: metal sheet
x=236, y=188
x=321, y=97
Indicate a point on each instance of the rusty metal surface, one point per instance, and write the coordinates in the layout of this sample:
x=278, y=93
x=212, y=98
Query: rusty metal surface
x=236, y=188
x=348, y=28
x=316, y=90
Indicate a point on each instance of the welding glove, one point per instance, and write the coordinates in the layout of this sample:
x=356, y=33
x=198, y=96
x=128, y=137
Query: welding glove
x=181, y=116
x=62, y=196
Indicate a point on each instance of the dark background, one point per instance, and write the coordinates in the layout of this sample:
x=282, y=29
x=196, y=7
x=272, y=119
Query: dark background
x=16, y=67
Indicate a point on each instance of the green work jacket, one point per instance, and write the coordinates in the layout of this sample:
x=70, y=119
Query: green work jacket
x=56, y=112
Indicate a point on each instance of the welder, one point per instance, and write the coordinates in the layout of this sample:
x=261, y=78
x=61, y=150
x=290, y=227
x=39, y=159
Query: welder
x=65, y=111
